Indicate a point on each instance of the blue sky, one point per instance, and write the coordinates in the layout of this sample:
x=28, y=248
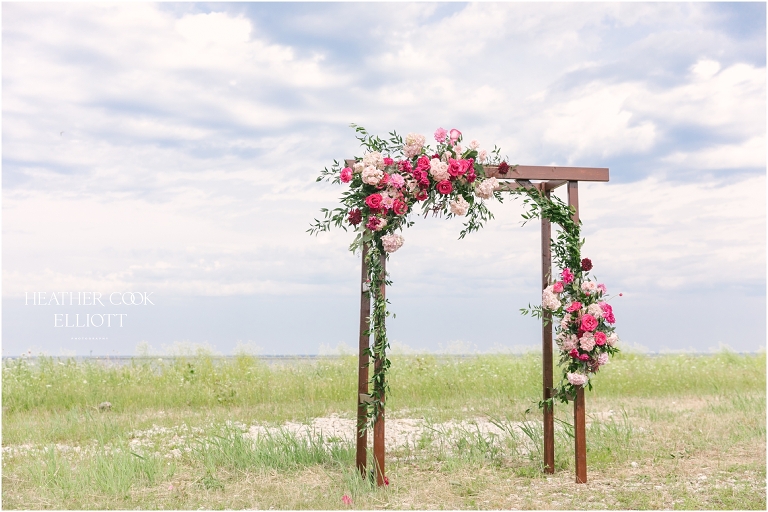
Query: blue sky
x=172, y=149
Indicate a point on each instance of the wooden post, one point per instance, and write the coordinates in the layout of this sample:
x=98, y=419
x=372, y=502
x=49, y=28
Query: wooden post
x=579, y=405
x=580, y=436
x=546, y=345
x=362, y=378
x=378, y=426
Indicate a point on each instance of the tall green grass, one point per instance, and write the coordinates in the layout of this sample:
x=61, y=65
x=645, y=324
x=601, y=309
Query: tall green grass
x=415, y=381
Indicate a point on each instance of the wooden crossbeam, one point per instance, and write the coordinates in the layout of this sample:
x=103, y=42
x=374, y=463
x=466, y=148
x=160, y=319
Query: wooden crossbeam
x=546, y=172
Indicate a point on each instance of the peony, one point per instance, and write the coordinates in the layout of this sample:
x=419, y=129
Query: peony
x=587, y=342
x=567, y=276
x=355, y=217
x=612, y=339
x=396, y=180
x=371, y=175
x=588, y=322
x=358, y=167
x=444, y=187
x=415, y=139
x=577, y=379
x=588, y=287
x=568, y=343
x=346, y=175
x=400, y=207
x=549, y=300
x=374, y=201
x=595, y=310
x=438, y=170
x=392, y=242
x=602, y=359
x=486, y=188
x=565, y=321
x=459, y=206
x=584, y=357
x=474, y=144
x=557, y=287
x=574, y=306
x=373, y=159
x=411, y=150
x=482, y=155
x=440, y=135
x=600, y=338
x=574, y=353
x=458, y=149
x=607, y=312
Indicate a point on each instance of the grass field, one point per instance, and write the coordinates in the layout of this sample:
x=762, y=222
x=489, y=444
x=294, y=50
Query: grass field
x=671, y=431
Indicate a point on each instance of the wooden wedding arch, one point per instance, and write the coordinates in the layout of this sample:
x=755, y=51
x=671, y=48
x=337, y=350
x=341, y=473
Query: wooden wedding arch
x=547, y=179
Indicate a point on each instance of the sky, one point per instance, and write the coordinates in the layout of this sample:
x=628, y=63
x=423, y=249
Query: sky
x=171, y=150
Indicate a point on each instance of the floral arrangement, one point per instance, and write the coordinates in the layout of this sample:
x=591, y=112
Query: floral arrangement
x=585, y=334
x=394, y=175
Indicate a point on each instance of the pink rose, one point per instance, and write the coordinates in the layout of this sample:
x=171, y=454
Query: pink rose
x=374, y=201
x=588, y=322
x=455, y=168
x=600, y=338
x=574, y=353
x=567, y=276
x=584, y=357
x=455, y=136
x=404, y=166
x=440, y=135
x=575, y=306
x=558, y=287
x=423, y=163
x=399, y=207
x=607, y=312
x=422, y=195
x=346, y=175
x=445, y=187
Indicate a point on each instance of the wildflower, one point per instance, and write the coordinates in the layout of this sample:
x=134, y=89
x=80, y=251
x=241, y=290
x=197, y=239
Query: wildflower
x=346, y=500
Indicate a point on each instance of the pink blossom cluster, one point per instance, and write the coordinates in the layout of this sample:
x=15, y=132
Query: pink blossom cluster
x=388, y=187
x=585, y=332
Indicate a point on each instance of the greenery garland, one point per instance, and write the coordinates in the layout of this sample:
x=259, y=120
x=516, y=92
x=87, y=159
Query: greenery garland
x=451, y=180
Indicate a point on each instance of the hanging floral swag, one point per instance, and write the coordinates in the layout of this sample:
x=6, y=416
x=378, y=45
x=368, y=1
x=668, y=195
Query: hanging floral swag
x=394, y=175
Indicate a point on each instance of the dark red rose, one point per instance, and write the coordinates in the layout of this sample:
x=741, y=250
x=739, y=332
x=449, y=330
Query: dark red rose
x=355, y=217
x=445, y=187
x=580, y=333
x=586, y=264
x=503, y=168
x=373, y=223
x=373, y=201
x=436, y=156
x=399, y=207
